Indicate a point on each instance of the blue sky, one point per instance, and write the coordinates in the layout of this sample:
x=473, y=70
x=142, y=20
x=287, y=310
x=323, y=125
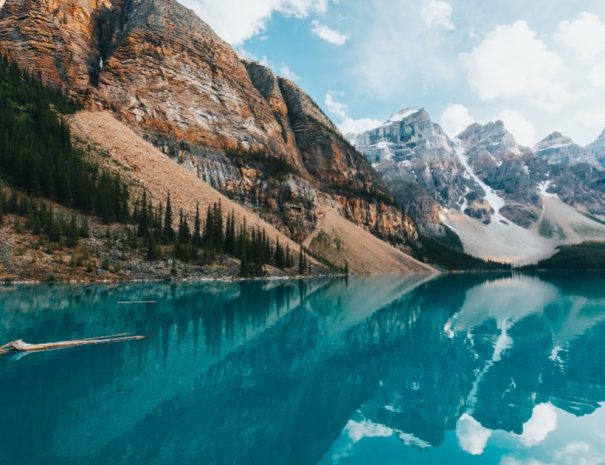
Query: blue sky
x=538, y=65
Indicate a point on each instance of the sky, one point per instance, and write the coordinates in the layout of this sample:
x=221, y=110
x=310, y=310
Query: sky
x=538, y=65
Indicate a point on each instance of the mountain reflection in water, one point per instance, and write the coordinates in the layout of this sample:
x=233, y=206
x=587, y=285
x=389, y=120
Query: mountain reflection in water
x=469, y=369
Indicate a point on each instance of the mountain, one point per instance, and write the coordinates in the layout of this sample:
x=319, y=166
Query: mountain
x=496, y=158
x=597, y=148
x=559, y=149
x=419, y=164
x=160, y=70
x=505, y=202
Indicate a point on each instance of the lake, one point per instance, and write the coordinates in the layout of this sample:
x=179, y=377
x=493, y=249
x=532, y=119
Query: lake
x=469, y=369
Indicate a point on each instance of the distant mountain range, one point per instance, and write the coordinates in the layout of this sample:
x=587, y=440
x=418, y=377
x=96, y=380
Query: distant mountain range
x=506, y=202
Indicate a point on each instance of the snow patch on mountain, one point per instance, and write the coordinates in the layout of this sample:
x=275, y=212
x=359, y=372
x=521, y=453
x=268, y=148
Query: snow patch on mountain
x=552, y=147
x=543, y=189
x=493, y=199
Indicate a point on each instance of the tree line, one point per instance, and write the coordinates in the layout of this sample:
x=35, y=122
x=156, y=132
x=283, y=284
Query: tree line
x=205, y=238
x=37, y=154
x=38, y=158
x=41, y=218
x=205, y=242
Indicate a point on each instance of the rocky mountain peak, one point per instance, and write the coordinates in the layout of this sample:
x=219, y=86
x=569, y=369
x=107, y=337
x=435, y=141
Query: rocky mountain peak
x=599, y=143
x=561, y=150
x=408, y=134
x=492, y=139
x=420, y=165
x=552, y=141
x=596, y=150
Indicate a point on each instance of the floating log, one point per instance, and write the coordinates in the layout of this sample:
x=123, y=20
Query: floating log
x=20, y=346
x=137, y=302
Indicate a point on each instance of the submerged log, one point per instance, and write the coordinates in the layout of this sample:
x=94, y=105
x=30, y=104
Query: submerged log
x=20, y=346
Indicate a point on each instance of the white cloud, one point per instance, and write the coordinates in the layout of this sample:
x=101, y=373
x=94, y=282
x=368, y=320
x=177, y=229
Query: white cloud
x=335, y=107
x=472, y=436
x=455, y=119
x=347, y=124
x=542, y=422
x=519, y=126
x=512, y=62
x=358, y=126
x=286, y=72
x=597, y=75
x=437, y=13
x=584, y=35
x=328, y=34
x=237, y=20
x=593, y=118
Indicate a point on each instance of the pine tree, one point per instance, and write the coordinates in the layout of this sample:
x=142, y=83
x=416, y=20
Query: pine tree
x=289, y=263
x=279, y=257
x=230, y=240
x=72, y=233
x=54, y=226
x=209, y=239
x=301, y=261
x=153, y=252
x=218, y=222
x=197, y=234
x=244, y=269
x=143, y=217
x=84, y=228
x=168, y=232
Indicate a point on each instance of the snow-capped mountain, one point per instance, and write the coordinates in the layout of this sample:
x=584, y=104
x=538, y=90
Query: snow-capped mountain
x=559, y=149
x=505, y=201
x=419, y=163
x=597, y=148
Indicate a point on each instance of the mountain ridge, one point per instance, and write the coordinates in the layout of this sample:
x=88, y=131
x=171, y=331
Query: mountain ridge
x=488, y=188
x=255, y=137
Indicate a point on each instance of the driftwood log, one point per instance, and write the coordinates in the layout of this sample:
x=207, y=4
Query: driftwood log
x=21, y=346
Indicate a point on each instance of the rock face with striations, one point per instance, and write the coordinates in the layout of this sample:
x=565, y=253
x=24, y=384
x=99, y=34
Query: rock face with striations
x=500, y=162
x=422, y=168
x=559, y=149
x=597, y=149
x=481, y=172
x=256, y=137
x=417, y=162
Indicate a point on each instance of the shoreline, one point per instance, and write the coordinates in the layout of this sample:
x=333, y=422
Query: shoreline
x=228, y=279
x=236, y=279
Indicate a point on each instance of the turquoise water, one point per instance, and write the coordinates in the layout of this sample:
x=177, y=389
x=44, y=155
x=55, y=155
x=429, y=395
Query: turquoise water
x=505, y=370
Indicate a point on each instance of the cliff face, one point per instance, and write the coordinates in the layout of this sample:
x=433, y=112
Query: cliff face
x=419, y=164
x=254, y=136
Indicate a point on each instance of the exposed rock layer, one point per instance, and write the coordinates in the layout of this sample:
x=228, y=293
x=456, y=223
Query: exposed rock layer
x=145, y=166
x=165, y=73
